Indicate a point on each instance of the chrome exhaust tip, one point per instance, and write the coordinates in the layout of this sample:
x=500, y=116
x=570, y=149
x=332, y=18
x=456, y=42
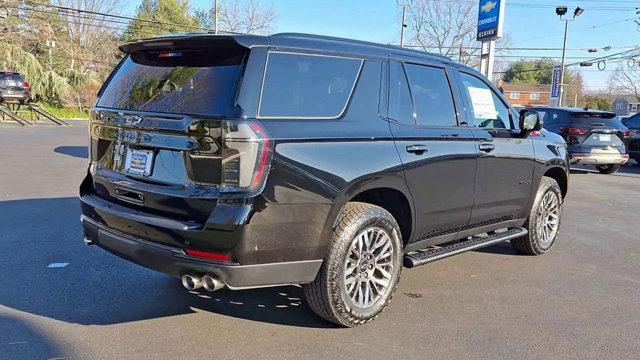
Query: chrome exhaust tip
x=87, y=241
x=191, y=282
x=212, y=283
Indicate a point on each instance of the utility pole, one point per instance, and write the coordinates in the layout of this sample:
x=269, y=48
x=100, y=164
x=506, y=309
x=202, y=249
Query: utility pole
x=562, y=11
x=404, y=5
x=215, y=16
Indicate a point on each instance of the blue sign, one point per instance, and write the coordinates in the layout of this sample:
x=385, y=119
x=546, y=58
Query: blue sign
x=490, y=16
x=555, y=82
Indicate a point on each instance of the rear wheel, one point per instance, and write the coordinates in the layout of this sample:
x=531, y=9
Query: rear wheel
x=608, y=169
x=544, y=220
x=359, y=274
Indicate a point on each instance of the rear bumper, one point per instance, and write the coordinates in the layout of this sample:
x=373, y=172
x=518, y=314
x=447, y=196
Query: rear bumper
x=598, y=159
x=174, y=262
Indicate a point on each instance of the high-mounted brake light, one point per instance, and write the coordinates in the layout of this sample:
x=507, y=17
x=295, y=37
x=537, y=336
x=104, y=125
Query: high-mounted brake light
x=574, y=131
x=169, y=55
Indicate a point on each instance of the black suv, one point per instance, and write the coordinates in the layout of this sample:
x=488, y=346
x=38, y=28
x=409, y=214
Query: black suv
x=593, y=137
x=13, y=88
x=247, y=161
x=633, y=141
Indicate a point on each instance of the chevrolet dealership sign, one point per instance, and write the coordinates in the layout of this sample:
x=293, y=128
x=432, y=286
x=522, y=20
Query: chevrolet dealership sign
x=490, y=19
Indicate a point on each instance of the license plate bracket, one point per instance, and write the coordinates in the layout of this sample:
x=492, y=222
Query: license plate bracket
x=138, y=162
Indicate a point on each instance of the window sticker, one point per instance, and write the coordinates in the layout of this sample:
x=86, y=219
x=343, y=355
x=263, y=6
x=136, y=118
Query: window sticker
x=482, y=102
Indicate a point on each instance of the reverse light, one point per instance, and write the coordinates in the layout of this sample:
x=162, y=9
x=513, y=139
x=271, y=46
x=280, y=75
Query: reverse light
x=574, y=131
x=246, y=156
x=207, y=255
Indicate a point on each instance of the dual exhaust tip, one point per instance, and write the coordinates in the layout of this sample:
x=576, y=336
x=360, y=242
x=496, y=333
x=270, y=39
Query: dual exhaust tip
x=208, y=282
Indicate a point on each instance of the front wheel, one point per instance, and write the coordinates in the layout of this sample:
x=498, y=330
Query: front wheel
x=359, y=274
x=608, y=169
x=543, y=223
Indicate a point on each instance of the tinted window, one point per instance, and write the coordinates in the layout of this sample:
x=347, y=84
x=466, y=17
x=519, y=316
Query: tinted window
x=400, y=105
x=307, y=85
x=190, y=82
x=484, y=108
x=431, y=96
x=11, y=79
x=633, y=122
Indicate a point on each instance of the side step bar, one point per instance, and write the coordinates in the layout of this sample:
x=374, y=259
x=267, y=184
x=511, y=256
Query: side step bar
x=422, y=257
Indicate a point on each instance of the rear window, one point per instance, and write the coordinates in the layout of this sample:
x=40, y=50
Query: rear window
x=184, y=82
x=13, y=78
x=314, y=86
x=602, y=119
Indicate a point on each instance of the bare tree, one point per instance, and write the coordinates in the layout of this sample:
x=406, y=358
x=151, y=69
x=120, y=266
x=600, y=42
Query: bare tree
x=625, y=80
x=240, y=16
x=447, y=28
x=89, y=40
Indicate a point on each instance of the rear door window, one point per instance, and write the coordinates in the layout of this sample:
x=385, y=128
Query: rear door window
x=184, y=82
x=400, y=104
x=432, y=96
x=307, y=86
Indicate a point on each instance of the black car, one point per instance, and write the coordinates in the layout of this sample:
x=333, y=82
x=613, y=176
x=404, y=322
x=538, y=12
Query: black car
x=247, y=161
x=593, y=137
x=13, y=88
x=633, y=140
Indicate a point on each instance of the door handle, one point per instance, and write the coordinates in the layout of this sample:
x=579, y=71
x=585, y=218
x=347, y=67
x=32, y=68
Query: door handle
x=417, y=149
x=484, y=147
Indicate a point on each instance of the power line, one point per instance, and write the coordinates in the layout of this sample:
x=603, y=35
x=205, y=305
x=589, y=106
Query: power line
x=117, y=16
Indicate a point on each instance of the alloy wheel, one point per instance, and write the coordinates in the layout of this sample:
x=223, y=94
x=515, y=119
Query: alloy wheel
x=368, y=267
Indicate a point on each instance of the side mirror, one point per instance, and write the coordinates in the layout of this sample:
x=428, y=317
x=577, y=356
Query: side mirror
x=530, y=121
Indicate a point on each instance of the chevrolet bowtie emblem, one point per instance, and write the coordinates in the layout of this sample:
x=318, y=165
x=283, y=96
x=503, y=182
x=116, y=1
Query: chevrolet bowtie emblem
x=490, y=5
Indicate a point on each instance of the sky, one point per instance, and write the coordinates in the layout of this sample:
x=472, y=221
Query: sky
x=528, y=23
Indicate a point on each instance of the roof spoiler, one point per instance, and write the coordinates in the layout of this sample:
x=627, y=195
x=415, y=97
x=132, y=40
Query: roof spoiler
x=197, y=40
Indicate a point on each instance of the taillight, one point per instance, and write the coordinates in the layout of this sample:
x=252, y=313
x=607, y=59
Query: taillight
x=246, y=156
x=628, y=133
x=25, y=84
x=574, y=131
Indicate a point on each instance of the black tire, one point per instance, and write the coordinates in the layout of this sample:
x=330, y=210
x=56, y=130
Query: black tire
x=533, y=243
x=608, y=169
x=327, y=294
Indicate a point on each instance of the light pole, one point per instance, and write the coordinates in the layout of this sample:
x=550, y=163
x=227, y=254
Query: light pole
x=215, y=16
x=405, y=5
x=562, y=11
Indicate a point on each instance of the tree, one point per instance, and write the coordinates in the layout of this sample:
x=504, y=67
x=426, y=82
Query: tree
x=598, y=102
x=529, y=72
x=246, y=16
x=156, y=17
x=446, y=27
x=625, y=80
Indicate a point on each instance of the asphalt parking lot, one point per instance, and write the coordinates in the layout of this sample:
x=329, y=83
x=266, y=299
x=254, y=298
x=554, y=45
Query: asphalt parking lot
x=60, y=299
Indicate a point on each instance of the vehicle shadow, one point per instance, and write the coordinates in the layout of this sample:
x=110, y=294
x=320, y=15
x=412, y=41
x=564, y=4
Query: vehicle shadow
x=19, y=340
x=503, y=248
x=627, y=169
x=74, y=151
x=92, y=287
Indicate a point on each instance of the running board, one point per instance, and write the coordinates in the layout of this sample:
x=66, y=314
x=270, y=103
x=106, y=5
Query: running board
x=422, y=257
